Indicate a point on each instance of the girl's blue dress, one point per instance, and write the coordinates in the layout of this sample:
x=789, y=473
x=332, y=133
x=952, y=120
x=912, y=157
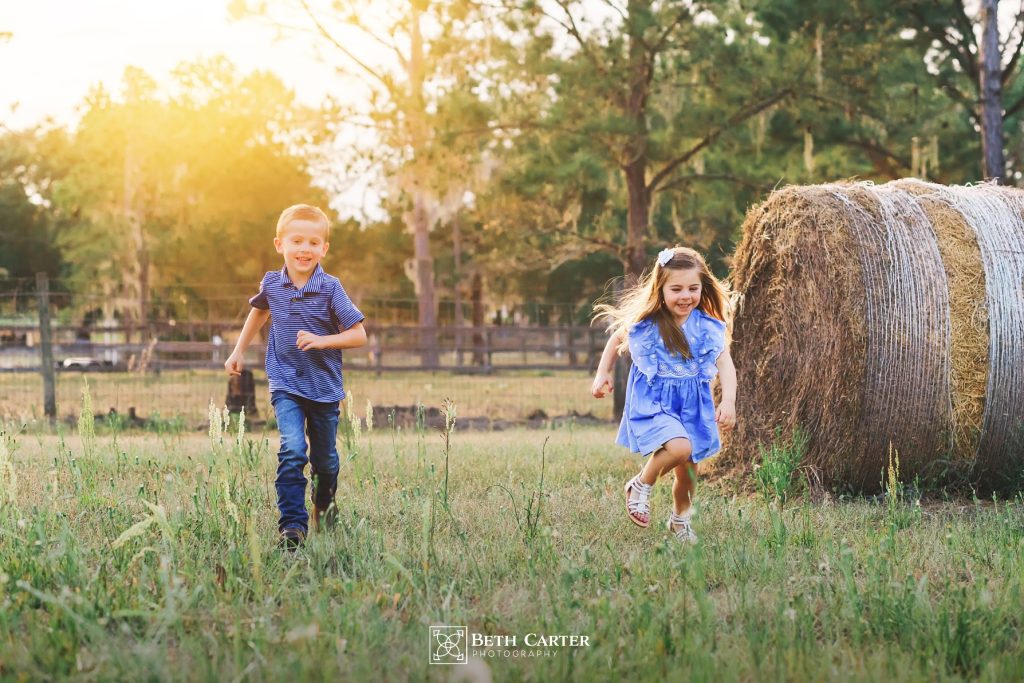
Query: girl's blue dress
x=668, y=396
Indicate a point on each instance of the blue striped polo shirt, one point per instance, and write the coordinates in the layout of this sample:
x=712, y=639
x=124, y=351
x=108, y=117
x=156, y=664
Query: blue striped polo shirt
x=321, y=307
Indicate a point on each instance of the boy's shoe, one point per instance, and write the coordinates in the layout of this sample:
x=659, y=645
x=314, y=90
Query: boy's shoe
x=321, y=520
x=681, y=527
x=291, y=539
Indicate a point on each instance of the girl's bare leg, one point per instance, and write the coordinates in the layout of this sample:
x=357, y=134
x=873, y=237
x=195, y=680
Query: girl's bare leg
x=671, y=455
x=684, y=487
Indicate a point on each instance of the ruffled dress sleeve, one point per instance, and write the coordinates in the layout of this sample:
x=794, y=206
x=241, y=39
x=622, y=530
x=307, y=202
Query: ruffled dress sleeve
x=643, y=343
x=711, y=333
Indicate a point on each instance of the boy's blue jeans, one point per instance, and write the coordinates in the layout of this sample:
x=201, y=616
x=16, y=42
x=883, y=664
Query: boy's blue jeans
x=297, y=416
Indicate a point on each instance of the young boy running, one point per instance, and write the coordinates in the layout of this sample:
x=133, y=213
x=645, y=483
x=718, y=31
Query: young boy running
x=311, y=320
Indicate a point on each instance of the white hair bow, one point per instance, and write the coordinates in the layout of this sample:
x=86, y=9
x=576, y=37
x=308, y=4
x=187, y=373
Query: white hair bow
x=665, y=255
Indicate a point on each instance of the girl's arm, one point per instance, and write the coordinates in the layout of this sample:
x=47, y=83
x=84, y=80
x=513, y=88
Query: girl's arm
x=257, y=319
x=725, y=415
x=603, y=381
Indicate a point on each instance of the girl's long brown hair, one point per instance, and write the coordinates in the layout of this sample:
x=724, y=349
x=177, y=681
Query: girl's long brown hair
x=645, y=301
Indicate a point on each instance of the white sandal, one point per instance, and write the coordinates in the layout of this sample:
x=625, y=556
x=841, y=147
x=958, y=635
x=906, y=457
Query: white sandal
x=684, y=530
x=641, y=505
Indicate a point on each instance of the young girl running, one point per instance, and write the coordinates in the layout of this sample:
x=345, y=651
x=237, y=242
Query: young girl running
x=672, y=322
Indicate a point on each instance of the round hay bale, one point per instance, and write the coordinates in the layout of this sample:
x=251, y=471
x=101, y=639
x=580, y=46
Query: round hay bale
x=883, y=319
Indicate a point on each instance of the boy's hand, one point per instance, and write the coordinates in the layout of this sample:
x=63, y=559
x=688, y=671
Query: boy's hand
x=307, y=341
x=602, y=384
x=234, y=364
x=725, y=416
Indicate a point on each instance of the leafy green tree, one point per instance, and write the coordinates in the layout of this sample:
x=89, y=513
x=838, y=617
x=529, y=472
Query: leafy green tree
x=181, y=189
x=977, y=64
x=641, y=95
x=872, y=110
x=424, y=79
x=28, y=230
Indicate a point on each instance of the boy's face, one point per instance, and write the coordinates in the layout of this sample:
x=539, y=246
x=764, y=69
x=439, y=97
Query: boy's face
x=303, y=244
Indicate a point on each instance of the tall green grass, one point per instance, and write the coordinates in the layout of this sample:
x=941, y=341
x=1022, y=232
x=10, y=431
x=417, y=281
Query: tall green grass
x=776, y=473
x=153, y=557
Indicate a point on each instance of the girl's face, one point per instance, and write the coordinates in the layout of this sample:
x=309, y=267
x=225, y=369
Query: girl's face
x=681, y=292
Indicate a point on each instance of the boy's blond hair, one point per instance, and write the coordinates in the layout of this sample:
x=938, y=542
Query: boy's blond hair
x=303, y=212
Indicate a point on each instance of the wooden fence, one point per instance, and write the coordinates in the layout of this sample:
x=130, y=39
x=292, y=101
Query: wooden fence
x=390, y=348
x=34, y=346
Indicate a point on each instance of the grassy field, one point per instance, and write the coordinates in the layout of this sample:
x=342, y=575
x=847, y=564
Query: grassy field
x=181, y=396
x=152, y=557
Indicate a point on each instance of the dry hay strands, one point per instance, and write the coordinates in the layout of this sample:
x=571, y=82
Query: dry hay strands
x=968, y=315
x=845, y=326
x=997, y=216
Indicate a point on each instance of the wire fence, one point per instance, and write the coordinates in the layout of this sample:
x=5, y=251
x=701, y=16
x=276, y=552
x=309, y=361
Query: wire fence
x=168, y=370
x=181, y=398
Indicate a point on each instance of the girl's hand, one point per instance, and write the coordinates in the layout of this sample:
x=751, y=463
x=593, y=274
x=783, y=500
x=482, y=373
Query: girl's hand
x=602, y=384
x=725, y=416
x=307, y=341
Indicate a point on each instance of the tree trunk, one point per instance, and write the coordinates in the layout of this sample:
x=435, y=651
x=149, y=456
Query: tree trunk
x=621, y=373
x=477, y=297
x=144, y=275
x=990, y=77
x=635, y=167
x=460, y=321
x=416, y=112
x=637, y=217
x=636, y=260
x=139, y=274
x=425, y=280
x=635, y=162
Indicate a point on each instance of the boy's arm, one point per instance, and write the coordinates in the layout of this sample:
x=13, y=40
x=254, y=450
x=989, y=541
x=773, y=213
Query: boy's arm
x=346, y=316
x=256, y=320
x=352, y=338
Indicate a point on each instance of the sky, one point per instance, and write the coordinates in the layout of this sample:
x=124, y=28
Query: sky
x=61, y=48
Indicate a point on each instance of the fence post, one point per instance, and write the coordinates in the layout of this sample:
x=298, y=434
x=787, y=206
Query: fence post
x=487, y=351
x=378, y=354
x=572, y=346
x=458, y=341
x=46, y=348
